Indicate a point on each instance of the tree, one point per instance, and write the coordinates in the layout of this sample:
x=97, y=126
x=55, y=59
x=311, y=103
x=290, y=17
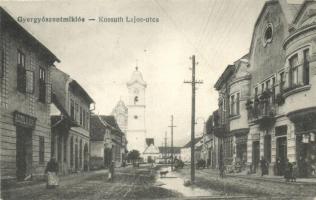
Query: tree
x=133, y=156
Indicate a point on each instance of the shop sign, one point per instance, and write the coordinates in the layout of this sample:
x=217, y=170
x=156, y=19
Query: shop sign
x=21, y=119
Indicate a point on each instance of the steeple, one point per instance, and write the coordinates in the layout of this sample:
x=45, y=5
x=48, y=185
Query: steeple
x=137, y=77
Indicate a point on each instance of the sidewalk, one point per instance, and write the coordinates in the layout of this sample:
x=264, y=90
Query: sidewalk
x=279, y=179
x=15, y=185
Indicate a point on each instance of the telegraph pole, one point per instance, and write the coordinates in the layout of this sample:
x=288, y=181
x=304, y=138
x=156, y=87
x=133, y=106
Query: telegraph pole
x=172, y=152
x=166, y=147
x=193, y=82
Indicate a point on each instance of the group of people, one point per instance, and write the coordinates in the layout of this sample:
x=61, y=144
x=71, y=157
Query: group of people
x=287, y=169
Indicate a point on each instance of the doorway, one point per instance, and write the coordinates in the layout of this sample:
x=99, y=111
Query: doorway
x=267, y=148
x=76, y=156
x=255, y=155
x=281, y=153
x=85, y=158
x=23, y=152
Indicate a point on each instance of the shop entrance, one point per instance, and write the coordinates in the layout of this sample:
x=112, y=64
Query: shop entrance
x=23, y=152
x=85, y=158
x=281, y=153
x=255, y=155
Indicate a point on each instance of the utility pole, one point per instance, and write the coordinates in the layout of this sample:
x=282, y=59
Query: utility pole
x=166, y=147
x=172, y=152
x=193, y=82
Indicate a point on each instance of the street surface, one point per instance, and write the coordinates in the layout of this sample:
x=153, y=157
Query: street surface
x=146, y=183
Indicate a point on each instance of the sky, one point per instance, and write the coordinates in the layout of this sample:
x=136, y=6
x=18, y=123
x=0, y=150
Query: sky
x=102, y=56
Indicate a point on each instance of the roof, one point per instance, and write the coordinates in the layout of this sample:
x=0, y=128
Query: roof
x=289, y=11
x=196, y=140
x=8, y=19
x=163, y=150
x=80, y=89
x=110, y=121
x=137, y=77
x=300, y=8
x=152, y=149
x=225, y=75
x=97, y=128
x=66, y=116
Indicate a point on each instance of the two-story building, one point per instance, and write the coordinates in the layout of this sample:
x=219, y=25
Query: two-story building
x=70, y=139
x=25, y=95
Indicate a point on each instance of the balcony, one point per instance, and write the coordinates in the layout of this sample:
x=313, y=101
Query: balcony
x=261, y=111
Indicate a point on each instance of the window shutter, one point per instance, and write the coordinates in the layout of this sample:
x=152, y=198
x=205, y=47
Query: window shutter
x=48, y=93
x=29, y=82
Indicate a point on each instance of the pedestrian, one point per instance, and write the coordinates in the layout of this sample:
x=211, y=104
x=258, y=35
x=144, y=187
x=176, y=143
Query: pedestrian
x=52, y=174
x=263, y=165
x=294, y=172
x=111, y=171
x=288, y=170
x=278, y=166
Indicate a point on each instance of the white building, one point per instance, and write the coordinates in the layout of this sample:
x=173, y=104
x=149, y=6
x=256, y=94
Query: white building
x=136, y=128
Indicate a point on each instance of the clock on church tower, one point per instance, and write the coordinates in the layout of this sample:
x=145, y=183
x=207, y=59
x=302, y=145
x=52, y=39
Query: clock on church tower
x=136, y=128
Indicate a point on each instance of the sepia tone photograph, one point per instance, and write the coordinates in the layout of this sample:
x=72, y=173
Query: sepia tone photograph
x=157, y=99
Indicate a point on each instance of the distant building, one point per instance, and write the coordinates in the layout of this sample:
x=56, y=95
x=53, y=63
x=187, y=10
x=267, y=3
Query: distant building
x=70, y=127
x=25, y=96
x=120, y=112
x=108, y=142
x=165, y=153
x=185, y=152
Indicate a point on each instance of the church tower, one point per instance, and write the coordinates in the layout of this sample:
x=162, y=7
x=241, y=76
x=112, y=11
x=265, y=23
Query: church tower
x=136, y=127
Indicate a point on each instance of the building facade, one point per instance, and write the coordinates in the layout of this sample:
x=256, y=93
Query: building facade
x=70, y=139
x=25, y=95
x=273, y=87
x=136, y=129
x=108, y=142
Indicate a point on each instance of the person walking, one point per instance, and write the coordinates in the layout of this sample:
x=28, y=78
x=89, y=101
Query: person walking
x=263, y=165
x=52, y=174
x=111, y=171
x=288, y=170
x=294, y=172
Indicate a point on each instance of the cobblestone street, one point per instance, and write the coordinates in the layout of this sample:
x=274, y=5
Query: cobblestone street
x=252, y=186
x=129, y=184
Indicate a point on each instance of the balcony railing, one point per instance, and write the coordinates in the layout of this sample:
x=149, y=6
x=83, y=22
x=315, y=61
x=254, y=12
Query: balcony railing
x=261, y=111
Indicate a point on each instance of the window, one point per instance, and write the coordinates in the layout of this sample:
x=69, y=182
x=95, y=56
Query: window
x=135, y=99
x=273, y=89
x=21, y=73
x=293, y=70
x=262, y=88
x=21, y=59
x=42, y=85
x=84, y=119
x=72, y=109
x=256, y=91
x=41, y=149
x=80, y=117
x=306, y=66
x=268, y=84
x=282, y=81
x=232, y=105
x=76, y=111
x=238, y=103
x=267, y=34
x=2, y=63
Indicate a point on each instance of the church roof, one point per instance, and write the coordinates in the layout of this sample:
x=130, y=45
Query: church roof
x=120, y=107
x=137, y=77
